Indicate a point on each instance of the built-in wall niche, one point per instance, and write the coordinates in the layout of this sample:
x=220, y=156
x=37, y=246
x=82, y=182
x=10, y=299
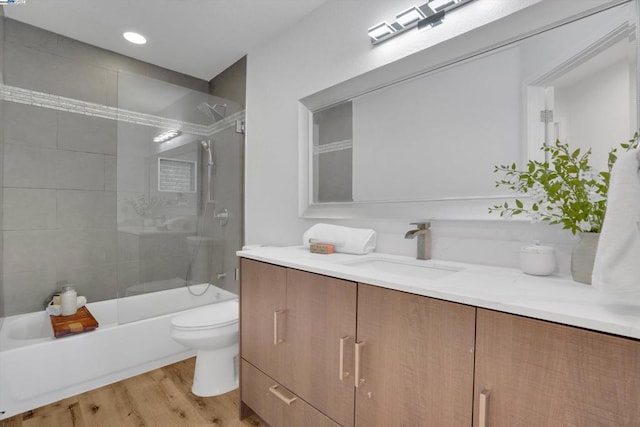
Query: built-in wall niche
x=420, y=137
x=172, y=185
x=175, y=175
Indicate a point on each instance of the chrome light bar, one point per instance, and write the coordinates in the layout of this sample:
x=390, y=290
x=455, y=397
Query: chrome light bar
x=429, y=14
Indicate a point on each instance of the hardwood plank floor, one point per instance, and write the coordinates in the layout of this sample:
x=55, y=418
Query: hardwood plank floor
x=158, y=398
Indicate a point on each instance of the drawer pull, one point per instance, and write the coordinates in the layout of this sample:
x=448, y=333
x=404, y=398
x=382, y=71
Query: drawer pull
x=342, y=374
x=484, y=407
x=276, y=315
x=288, y=400
x=358, y=381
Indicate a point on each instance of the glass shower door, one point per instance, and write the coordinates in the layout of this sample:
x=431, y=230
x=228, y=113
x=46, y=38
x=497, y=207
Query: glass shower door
x=179, y=215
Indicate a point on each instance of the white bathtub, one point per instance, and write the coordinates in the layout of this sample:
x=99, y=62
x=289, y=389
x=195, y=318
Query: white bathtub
x=133, y=337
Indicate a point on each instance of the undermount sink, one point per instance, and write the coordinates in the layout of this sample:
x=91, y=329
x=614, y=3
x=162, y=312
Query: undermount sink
x=408, y=268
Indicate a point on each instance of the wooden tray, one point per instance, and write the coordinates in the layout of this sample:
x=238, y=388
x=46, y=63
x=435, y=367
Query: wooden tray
x=82, y=321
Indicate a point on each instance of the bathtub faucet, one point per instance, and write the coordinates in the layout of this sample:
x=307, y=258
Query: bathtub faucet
x=423, y=232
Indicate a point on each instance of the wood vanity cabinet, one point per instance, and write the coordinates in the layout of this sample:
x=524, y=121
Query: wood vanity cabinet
x=262, y=293
x=536, y=373
x=276, y=405
x=416, y=360
x=298, y=333
x=296, y=328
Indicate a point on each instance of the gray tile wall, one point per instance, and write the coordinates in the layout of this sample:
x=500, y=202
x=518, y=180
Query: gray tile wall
x=231, y=84
x=58, y=183
x=59, y=216
x=149, y=255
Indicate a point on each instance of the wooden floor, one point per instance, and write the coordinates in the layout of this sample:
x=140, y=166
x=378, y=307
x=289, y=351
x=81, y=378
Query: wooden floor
x=158, y=398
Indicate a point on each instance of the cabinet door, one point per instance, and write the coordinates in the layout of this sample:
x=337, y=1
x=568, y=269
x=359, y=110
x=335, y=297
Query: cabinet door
x=321, y=312
x=276, y=405
x=416, y=360
x=262, y=296
x=536, y=373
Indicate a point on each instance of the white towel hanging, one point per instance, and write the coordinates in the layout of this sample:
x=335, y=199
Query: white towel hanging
x=617, y=263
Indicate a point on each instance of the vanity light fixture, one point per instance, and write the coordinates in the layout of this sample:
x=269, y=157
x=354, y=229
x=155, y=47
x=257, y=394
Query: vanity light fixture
x=381, y=31
x=167, y=135
x=134, y=38
x=432, y=21
x=429, y=14
x=409, y=16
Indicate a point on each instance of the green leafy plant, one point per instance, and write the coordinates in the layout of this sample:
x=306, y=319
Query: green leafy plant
x=564, y=190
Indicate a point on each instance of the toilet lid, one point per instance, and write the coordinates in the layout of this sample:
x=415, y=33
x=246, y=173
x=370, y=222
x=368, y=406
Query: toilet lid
x=212, y=315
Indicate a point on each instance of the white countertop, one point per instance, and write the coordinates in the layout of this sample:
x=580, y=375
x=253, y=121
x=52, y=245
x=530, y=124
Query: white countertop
x=553, y=298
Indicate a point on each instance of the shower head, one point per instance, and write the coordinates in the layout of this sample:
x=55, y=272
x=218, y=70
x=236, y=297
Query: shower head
x=208, y=146
x=215, y=112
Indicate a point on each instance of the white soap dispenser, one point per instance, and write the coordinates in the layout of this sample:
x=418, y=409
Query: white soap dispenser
x=538, y=259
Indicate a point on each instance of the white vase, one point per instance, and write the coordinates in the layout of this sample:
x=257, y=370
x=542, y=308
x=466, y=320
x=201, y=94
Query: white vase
x=583, y=256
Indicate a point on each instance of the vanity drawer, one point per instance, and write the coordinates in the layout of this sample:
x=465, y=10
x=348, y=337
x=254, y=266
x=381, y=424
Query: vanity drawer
x=276, y=405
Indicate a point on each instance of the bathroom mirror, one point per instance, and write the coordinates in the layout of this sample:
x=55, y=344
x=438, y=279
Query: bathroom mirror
x=425, y=144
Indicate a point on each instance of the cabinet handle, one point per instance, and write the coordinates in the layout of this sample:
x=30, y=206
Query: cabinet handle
x=342, y=374
x=276, y=315
x=484, y=407
x=358, y=380
x=288, y=400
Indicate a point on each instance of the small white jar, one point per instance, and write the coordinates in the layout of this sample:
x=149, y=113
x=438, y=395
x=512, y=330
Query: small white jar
x=68, y=301
x=538, y=260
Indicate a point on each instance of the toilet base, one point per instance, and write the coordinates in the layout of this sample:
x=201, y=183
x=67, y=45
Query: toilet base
x=216, y=371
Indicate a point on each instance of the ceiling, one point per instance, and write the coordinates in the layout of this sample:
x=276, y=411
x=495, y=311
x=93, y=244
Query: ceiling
x=200, y=38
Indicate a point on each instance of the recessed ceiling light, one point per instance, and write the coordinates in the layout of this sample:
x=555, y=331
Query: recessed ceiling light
x=134, y=37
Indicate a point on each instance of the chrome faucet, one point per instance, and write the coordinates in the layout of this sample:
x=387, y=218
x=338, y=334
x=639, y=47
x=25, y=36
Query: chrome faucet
x=423, y=232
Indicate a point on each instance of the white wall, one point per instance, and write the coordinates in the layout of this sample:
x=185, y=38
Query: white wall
x=591, y=114
x=328, y=47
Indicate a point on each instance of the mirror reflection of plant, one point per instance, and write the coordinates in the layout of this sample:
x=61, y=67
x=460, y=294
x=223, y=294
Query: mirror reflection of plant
x=565, y=190
x=147, y=207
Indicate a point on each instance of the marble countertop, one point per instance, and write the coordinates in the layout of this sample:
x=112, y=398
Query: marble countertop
x=554, y=298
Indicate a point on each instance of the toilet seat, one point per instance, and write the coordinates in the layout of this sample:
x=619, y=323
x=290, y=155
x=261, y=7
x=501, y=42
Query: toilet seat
x=208, y=317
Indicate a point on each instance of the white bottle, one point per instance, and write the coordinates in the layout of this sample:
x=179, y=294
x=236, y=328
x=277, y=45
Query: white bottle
x=68, y=301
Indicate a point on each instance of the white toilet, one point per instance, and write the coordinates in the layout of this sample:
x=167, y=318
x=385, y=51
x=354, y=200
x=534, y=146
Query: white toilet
x=213, y=331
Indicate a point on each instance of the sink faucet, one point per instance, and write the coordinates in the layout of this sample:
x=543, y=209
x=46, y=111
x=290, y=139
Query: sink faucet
x=424, y=238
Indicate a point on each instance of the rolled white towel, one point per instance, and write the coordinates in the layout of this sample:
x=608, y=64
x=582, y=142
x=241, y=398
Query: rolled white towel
x=617, y=263
x=81, y=301
x=53, y=310
x=358, y=241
